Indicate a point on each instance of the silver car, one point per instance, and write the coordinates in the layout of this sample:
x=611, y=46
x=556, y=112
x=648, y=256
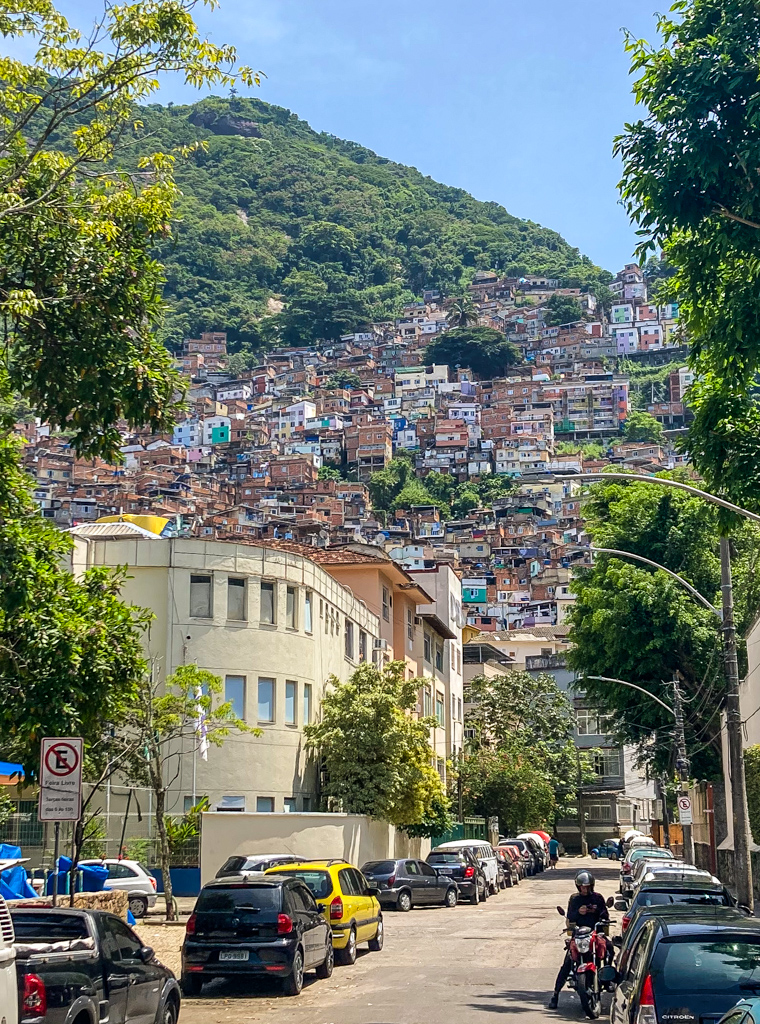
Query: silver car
x=132, y=876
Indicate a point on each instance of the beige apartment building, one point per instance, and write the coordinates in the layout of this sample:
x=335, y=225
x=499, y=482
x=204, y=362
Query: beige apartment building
x=273, y=624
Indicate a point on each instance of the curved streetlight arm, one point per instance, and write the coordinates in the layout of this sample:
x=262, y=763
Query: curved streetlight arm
x=648, y=561
x=637, y=478
x=623, y=682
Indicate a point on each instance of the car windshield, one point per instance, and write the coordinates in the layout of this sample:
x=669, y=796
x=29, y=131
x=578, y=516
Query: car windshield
x=688, y=966
x=648, y=851
x=700, y=899
x=445, y=858
x=515, y=842
x=232, y=866
x=141, y=867
x=318, y=881
x=48, y=926
x=379, y=867
x=243, y=897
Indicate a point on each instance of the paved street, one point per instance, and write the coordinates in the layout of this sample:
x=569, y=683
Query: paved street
x=445, y=966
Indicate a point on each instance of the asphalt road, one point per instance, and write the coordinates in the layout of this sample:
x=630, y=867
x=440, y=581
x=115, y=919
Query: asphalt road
x=459, y=966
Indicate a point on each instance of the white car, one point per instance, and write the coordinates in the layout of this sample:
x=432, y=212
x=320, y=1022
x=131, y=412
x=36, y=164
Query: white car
x=8, y=986
x=485, y=854
x=132, y=876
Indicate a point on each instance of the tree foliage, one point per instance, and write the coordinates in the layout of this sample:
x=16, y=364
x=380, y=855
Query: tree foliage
x=641, y=426
x=485, y=351
x=375, y=755
x=691, y=179
x=562, y=309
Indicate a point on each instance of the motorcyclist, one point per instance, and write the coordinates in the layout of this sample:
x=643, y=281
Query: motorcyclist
x=587, y=908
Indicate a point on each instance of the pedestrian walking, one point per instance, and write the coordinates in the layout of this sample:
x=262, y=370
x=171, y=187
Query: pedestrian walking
x=553, y=851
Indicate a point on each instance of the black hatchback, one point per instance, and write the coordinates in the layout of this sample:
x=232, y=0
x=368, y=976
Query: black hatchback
x=406, y=883
x=466, y=871
x=267, y=928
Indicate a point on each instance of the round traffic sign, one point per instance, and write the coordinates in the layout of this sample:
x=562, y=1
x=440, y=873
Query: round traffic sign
x=62, y=759
x=684, y=803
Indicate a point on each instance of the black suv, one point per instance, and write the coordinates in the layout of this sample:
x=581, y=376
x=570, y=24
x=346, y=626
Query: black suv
x=466, y=871
x=270, y=927
x=407, y=883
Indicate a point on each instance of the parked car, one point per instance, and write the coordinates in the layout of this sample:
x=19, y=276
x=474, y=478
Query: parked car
x=674, y=870
x=538, y=848
x=349, y=902
x=607, y=848
x=688, y=967
x=626, y=868
x=134, y=878
x=528, y=856
x=242, y=864
x=642, y=866
x=746, y=1011
x=518, y=864
x=689, y=891
x=259, y=927
x=404, y=884
x=72, y=965
x=484, y=852
x=465, y=869
x=509, y=872
x=8, y=999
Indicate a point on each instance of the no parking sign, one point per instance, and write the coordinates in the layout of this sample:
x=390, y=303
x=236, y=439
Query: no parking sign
x=61, y=778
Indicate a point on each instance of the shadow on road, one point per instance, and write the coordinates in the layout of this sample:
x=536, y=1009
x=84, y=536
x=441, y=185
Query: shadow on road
x=517, y=1002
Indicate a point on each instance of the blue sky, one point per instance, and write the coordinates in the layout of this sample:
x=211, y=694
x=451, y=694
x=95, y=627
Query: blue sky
x=515, y=102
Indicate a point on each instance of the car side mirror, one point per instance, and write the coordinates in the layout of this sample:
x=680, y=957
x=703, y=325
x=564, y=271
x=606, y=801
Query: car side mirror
x=744, y=909
x=561, y=911
x=146, y=954
x=610, y=901
x=607, y=974
x=371, y=890
x=617, y=940
x=621, y=905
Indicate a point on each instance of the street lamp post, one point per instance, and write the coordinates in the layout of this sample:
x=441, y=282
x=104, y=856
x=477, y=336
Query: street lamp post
x=742, y=861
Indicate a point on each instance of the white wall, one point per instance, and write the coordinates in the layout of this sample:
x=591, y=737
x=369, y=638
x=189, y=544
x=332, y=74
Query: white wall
x=353, y=837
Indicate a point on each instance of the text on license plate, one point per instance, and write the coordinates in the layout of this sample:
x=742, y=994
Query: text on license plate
x=234, y=954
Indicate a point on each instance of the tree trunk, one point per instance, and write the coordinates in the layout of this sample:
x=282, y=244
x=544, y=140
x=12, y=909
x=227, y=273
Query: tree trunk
x=159, y=791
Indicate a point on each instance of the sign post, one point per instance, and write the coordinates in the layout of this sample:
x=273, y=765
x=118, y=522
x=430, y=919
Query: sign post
x=60, y=788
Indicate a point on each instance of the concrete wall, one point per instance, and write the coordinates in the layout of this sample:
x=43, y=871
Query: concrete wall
x=312, y=836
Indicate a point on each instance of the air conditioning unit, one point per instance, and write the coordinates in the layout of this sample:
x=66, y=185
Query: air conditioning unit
x=378, y=644
x=417, y=620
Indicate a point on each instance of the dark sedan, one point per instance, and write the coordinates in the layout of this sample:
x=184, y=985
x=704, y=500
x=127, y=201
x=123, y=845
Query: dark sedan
x=684, y=892
x=466, y=871
x=244, y=929
x=688, y=967
x=407, y=883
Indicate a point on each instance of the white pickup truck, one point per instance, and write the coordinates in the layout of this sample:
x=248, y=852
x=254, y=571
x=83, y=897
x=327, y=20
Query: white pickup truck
x=8, y=984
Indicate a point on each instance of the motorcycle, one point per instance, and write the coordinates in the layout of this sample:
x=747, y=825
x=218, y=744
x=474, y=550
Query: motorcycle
x=590, y=974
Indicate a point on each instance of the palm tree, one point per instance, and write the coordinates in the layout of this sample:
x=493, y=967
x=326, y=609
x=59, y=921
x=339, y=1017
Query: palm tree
x=462, y=313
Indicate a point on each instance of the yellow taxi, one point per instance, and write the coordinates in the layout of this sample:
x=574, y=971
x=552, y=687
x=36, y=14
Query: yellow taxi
x=348, y=901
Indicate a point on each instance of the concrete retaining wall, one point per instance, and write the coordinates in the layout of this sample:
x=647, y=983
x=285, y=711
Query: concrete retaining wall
x=312, y=836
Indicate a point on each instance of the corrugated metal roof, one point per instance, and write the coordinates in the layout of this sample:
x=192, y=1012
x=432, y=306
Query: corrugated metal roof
x=108, y=531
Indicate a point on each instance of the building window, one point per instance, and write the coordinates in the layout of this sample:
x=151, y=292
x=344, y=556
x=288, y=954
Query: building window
x=427, y=647
x=265, y=804
x=236, y=599
x=362, y=645
x=306, y=703
x=598, y=811
x=410, y=624
x=427, y=702
x=291, y=689
x=386, y=604
x=439, y=709
x=349, y=639
x=607, y=764
x=306, y=804
x=590, y=723
x=267, y=613
x=289, y=804
x=290, y=608
x=307, y=612
x=439, y=657
x=266, y=700
x=200, y=597
x=234, y=693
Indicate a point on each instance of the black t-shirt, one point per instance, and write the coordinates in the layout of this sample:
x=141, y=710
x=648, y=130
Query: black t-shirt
x=596, y=909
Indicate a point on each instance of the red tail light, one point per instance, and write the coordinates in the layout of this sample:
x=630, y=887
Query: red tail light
x=34, y=999
x=469, y=871
x=190, y=926
x=392, y=880
x=647, y=992
x=647, y=1011
x=626, y=868
x=625, y=921
x=284, y=924
x=153, y=883
x=336, y=909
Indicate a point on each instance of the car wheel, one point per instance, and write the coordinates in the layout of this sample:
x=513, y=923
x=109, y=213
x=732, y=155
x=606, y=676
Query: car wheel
x=138, y=905
x=191, y=984
x=493, y=889
x=484, y=897
x=325, y=969
x=376, y=944
x=347, y=956
x=451, y=898
x=169, y=1016
x=404, y=902
x=475, y=898
x=294, y=982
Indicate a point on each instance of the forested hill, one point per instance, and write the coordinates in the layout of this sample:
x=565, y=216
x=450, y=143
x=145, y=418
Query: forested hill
x=273, y=210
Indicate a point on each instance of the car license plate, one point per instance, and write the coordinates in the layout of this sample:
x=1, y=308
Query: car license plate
x=234, y=954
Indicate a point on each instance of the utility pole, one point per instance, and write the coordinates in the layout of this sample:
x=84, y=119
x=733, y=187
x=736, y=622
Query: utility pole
x=742, y=861
x=662, y=784
x=682, y=764
x=581, y=812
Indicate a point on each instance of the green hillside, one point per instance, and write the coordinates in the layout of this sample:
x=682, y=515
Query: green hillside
x=273, y=210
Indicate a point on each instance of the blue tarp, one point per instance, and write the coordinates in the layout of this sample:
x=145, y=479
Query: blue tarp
x=11, y=770
x=91, y=877
x=13, y=881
